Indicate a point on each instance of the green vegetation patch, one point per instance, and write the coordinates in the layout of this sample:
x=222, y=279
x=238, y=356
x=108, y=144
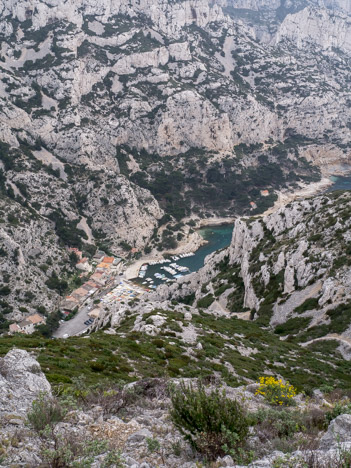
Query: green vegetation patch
x=292, y=326
x=206, y=301
x=309, y=304
x=130, y=355
x=340, y=319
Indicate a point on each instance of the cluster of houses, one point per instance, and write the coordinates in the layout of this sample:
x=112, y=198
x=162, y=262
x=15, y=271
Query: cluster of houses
x=27, y=325
x=264, y=193
x=105, y=271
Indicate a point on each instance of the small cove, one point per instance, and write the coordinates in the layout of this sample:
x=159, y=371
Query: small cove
x=219, y=237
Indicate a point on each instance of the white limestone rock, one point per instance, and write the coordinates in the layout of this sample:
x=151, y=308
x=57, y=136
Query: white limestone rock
x=339, y=431
x=21, y=382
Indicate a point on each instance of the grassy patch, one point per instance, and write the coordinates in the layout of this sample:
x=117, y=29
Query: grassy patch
x=292, y=326
x=133, y=355
x=309, y=304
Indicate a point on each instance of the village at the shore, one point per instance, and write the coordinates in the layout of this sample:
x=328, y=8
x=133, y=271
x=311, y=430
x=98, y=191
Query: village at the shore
x=100, y=274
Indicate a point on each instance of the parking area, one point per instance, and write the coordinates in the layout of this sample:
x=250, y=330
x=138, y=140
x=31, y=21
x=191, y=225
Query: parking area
x=74, y=326
x=122, y=291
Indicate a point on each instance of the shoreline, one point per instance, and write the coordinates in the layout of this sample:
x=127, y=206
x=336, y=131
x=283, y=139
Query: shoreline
x=216, y=222
x=191, y=244
x=305, y=191
x=195, y=241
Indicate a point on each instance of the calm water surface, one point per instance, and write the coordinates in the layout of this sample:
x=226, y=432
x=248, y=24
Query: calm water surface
x=340, y=183
x=219, y=237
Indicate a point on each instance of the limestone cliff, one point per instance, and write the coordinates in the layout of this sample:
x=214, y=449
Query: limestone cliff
x=289, y=271
x=133, y=115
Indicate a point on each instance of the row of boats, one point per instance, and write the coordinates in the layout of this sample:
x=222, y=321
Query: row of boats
x=173, y=269
x=142, y=272
x=174, y=258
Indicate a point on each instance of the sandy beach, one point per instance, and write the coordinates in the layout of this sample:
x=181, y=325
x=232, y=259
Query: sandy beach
x=306, y=191
x=215, y=221
x=195, y=241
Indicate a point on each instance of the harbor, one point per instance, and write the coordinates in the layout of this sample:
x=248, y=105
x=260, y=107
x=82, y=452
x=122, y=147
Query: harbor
x=166, y=270
x=170, y=270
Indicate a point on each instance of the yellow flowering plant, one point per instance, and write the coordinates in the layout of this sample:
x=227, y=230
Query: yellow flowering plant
x=276, y=392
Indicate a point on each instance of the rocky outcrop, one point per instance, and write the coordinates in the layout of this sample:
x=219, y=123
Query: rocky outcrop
x=145, y=405
x=21, y=381
x=168, y=17
x=338, y=432
x=330, y=30
x=289, y=267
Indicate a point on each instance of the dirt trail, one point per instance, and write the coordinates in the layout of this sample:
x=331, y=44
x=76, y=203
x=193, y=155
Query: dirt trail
x=332, y=336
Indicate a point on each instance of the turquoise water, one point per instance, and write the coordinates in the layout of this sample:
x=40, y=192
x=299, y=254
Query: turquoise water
x=340, y=183
x=217, y=238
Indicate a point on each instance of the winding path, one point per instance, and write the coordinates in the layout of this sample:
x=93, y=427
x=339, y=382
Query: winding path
x=332, y=336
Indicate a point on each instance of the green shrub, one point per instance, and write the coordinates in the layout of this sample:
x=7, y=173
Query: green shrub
x=309, y=304
x=279, y=422
x=46, y=412
x=158, y=343
x=292, y=326
x=205, y=302
x=68, y=449
x=338, y=409
x=211, y=422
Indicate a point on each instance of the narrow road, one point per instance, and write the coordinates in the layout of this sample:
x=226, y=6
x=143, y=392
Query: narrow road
x=76, y=325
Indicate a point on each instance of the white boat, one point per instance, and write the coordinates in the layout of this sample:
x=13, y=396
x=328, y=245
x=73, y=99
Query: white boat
x=170, y=270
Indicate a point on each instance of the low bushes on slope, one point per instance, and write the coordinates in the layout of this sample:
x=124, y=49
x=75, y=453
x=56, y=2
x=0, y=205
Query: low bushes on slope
x=212, y=423
x=226, y=343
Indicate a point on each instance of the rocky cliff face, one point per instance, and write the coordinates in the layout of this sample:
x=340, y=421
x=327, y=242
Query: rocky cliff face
x=159, y=81
x=117, y=113
x=21, y=382
x=113, y=428
x=289, y=271
x=308, y=27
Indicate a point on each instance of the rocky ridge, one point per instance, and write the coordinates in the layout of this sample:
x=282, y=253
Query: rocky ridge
x=145, y=419
x=289, y=271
